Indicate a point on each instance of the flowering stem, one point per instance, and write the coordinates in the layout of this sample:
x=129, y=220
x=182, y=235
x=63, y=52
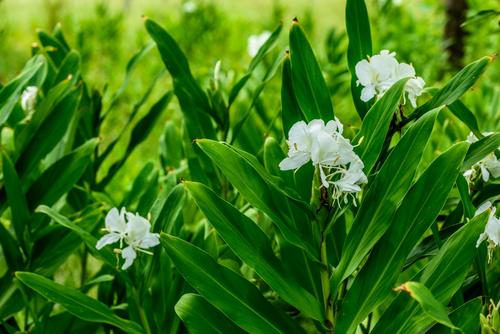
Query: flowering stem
x=325, y=283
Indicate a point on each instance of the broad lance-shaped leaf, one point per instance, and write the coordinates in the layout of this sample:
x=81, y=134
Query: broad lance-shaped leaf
x=290, y=109
x=76, y=303
x=16, y=199
x=481, y=149
x=360, y=46
x=263, y=191
x=263, y=50
x=455, y=88
x=309, y=84
x=459, y=109
x=50, y=132
x=252, y=245
x=383, y=197
x=376, y=124
x=443, y=275
x=193, y=100
x=237, y=298
x=70, y=68
x=200, y=317
x=429, y=304
x=466, y=317
x=59, y=178
x=36, y=68
x=377, y=277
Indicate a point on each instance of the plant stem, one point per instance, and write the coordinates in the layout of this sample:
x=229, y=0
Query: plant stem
x=325, y=284
x=142, y=314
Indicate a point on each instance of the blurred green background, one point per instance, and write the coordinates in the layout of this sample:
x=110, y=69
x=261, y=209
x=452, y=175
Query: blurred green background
x=108, y=33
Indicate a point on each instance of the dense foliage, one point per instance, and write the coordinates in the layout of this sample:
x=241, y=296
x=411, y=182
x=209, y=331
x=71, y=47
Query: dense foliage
x=266, y=208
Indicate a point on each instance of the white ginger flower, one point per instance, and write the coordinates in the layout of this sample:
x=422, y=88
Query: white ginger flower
x=133, y=229
x=380, y=72
x=330, y=152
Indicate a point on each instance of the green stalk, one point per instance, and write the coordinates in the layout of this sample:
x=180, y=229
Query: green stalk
x=325, y=284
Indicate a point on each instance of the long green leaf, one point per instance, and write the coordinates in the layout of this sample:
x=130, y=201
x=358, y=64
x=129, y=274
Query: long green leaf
x=290, y=109
x=466, y=317
x=16, y=199
x=376, y=125
x=193, y=100
x=77, y=303
x=59, y=178
x=251, y=244
x=200, y=317
x=428, y=303
x=262, y=190
x=10, y=94
x=481, y=149
x=455, y=88
x=383, y=197
x=375, y=280
x=360, y=45
x=240, y=300
x=309, y=84
x=443, y=275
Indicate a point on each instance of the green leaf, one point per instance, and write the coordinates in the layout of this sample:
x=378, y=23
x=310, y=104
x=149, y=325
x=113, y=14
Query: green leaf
x=139, y=133
x=55, y=49
x=466, y=316
x=50, y=132
x=59, y=178
x=240, y=300
x=15, y=198
x=459, y=109
x=10, y=94
x=69, y=67
x=481, y=149
x=167, y=208
x=76, y=303
x=290, y=109
x=376, y=125
x=429, y=304
x=262, y=190
x=443, y=275
x=309, y=84
x=360, y=46
x=252, y=245
x=455, y=88
x=131, y=65
x=263, y=50
x=200, y=317
x=383, y=197
x=90, y=241
x=375, y=280
x=193, y=100
x=11, y=251
x=463, y=189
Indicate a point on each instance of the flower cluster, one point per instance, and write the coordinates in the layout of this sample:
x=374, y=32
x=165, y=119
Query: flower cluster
x=330, y=153
x=28, y=98
x=489, y=166
x=380, y=72
x=492, y=230
x=132, y=229
x=255, y=42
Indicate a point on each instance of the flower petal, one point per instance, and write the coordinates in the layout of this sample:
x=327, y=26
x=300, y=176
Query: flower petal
x=297, y=160
x=150, y=240
x=107, y=239
x=129, y=255
x=115, y=221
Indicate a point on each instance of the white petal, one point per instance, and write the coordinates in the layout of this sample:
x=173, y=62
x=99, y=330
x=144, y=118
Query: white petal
x=482, y=208
x=482, y=237
x=107, y=239
x=129, y=254
x=115, y=221
x=365, y=73
x=484, y=173
x=150, y=240
x=367, y=93
x=295, y=161
x=298, y=138
x=137, y=228
x=405, y=71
